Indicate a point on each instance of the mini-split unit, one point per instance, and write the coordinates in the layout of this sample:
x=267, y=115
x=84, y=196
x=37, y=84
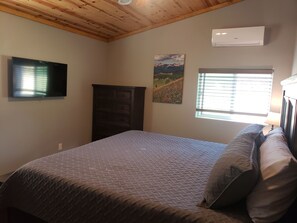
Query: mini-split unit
x=246, y=36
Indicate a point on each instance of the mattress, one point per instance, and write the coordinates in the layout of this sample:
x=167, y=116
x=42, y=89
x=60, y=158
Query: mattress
x=133, y=177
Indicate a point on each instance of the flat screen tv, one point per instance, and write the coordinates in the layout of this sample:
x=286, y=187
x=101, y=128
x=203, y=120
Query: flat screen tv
x=37, y=79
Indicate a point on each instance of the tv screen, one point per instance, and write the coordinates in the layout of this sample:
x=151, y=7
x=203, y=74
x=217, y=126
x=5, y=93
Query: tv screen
x=35, y=78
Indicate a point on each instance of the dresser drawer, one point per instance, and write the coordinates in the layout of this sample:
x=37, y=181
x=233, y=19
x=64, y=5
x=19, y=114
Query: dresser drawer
x=123, y=95
x=112, y=118
x=113, y=94
x=106, y=94
x=123, y=108
x=103, y=105
x=115, y=107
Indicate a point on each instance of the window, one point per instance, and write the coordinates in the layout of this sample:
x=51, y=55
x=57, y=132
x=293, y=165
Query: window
x=233, y=94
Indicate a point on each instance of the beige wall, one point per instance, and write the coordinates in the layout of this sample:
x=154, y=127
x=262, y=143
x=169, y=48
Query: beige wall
x=294, y=70
x=33, y=128
x=130, y=61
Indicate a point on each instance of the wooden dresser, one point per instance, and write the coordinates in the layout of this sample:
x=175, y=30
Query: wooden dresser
x=116, y=109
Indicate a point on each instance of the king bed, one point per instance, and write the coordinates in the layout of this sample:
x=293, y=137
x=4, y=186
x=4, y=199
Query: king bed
x=143, y=177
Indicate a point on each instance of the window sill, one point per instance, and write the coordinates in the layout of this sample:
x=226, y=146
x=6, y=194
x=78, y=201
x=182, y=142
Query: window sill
x=232, y=118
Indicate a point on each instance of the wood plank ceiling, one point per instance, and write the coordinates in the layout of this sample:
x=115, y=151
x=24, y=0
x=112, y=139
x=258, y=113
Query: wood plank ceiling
x=106, y=20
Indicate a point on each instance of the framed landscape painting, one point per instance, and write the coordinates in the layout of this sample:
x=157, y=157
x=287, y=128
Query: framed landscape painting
x=168, y=78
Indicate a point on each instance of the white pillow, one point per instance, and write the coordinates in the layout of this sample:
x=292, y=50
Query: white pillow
x=276, y=188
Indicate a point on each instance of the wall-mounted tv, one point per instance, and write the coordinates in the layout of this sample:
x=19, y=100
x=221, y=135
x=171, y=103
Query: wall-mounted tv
x=37, y=79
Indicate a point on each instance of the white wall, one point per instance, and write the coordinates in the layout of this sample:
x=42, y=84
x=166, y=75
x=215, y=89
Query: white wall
x=130, y=61
x=33, y=128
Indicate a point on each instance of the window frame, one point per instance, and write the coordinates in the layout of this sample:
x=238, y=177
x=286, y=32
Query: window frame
x=245, y=117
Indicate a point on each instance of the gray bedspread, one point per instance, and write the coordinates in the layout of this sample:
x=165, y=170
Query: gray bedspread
x=133, y=177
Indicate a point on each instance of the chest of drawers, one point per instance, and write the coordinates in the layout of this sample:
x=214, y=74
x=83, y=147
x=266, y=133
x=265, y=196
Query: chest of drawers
x=116, y=109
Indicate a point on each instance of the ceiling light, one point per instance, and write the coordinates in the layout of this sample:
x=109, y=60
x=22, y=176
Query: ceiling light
x=124, y=2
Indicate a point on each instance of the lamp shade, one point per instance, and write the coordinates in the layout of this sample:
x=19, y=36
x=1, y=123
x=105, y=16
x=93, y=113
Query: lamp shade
x=273, y=118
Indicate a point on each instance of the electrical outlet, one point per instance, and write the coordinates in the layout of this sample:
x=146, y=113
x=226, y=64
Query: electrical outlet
x=60, y=146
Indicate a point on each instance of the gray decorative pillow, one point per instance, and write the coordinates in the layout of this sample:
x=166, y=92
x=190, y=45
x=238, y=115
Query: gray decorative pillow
x=277, y=185
x=236, y=172
x=253, y=128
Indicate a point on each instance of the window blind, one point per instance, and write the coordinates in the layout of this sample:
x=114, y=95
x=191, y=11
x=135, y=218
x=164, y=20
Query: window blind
x=239, y=92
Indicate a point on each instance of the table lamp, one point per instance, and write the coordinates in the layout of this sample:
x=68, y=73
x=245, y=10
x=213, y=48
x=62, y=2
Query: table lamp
x=273, y=119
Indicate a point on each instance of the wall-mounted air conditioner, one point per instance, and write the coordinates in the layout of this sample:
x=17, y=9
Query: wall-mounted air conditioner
x=247, y=36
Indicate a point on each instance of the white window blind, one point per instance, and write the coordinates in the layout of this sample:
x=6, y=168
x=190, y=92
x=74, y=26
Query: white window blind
x=232, y=94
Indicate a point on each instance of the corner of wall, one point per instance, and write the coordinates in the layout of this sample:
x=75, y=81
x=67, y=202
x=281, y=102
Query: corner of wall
x=294, y=68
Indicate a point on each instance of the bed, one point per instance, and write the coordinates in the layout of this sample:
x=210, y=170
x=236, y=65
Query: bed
x=132, y=177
